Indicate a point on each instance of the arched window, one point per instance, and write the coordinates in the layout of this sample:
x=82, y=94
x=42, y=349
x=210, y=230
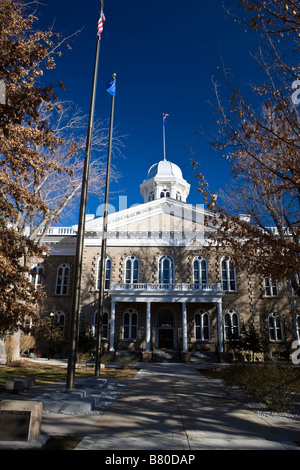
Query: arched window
x=202, y=326
x=275, y=330
x=166, y=271
x=107, y=273
x=132, y=270
x=228, y=274
x=231, y=325
x=60, y=318
x=62, y=280
x=36, y=275
x=105, y=324
x=130, y=324
x=200, y=271
x=165, y=193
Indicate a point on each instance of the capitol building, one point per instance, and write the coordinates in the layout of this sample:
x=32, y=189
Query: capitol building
x=167, y=288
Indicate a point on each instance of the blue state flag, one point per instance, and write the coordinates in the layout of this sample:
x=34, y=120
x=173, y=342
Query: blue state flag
x=165, y=118
x=111, y=87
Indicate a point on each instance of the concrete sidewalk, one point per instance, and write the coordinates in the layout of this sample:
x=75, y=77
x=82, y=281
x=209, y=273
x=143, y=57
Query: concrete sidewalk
x=168, y=407
x=173, y=407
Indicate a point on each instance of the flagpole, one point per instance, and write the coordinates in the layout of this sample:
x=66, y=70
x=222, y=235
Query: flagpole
x=104, y=239
x=81, y=229
x=164, y=133
x=164, y=139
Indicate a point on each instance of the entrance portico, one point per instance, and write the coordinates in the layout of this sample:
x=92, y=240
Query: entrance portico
x=181, y=293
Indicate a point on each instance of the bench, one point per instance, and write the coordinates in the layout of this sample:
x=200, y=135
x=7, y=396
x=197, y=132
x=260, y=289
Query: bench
x=20, y=384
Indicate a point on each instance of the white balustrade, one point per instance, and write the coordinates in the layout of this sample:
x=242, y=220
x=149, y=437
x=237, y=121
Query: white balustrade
x=169, y=287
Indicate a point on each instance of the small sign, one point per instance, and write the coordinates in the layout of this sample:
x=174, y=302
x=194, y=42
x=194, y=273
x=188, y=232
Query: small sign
x=14, y=425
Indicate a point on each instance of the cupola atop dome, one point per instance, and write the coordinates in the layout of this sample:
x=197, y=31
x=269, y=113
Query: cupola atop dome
x=164, y=179
x=164, y=168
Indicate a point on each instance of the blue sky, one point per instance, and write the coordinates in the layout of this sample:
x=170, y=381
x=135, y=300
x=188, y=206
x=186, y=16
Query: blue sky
x=165, y=55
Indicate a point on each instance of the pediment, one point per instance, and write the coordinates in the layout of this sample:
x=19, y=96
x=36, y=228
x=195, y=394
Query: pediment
x=160, y=215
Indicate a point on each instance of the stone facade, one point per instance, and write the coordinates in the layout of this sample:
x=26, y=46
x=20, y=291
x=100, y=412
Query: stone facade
x=164, y=303
x=248, y=300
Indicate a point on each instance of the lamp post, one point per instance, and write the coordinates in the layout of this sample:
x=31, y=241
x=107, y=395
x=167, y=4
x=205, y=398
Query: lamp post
x=52, y=314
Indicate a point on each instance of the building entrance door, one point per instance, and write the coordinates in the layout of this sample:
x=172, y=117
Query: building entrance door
x=166, y=338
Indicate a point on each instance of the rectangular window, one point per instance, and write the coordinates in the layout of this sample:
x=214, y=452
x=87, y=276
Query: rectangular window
x=130, y=325
x=62, y=280
x=232, y=276
x=275, y=332
x=228, y=275
x=107, y=278
x=202, y=326
x=107, y=274
x=224, y=276
x=270, y=287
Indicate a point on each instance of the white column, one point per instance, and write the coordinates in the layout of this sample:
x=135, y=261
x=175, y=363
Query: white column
x=220, y=327
x=173, y=192
x=112, y=326
x=148, y=327
x=184, y=328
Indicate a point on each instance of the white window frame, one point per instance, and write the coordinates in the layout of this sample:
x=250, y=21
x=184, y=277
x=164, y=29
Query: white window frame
x=63, y=287
x=107, y=280
x=202, y=273
x=229, y=280
x=128, y=329
x=275, y=330
x=271, y=289
x=132, y=278
x=201, y=326
x=171, y=269
x=234, y=326
x=36, y=274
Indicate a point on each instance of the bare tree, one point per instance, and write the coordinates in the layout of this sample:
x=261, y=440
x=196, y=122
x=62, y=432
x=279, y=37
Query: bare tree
x=260, y=138
x=24, y=55
x=59, y=187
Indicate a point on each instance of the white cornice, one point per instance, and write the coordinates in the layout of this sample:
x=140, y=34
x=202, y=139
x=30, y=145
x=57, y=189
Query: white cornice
x=145, y=210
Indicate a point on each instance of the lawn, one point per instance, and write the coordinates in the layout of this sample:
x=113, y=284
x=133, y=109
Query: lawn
x=46, y=374
x=275, y=385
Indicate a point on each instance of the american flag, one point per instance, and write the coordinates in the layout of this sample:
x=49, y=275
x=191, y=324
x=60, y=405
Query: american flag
x=100, y=26
x=165, y=118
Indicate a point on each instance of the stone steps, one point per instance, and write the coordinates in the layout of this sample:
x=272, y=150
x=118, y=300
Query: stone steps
x=166, y=355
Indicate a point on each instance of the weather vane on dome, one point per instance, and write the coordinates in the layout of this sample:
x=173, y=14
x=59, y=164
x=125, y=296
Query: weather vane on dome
x=164, y=133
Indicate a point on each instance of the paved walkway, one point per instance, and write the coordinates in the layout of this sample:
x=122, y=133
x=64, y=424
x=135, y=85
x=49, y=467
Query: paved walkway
x=173, y=407
x=169, y=407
